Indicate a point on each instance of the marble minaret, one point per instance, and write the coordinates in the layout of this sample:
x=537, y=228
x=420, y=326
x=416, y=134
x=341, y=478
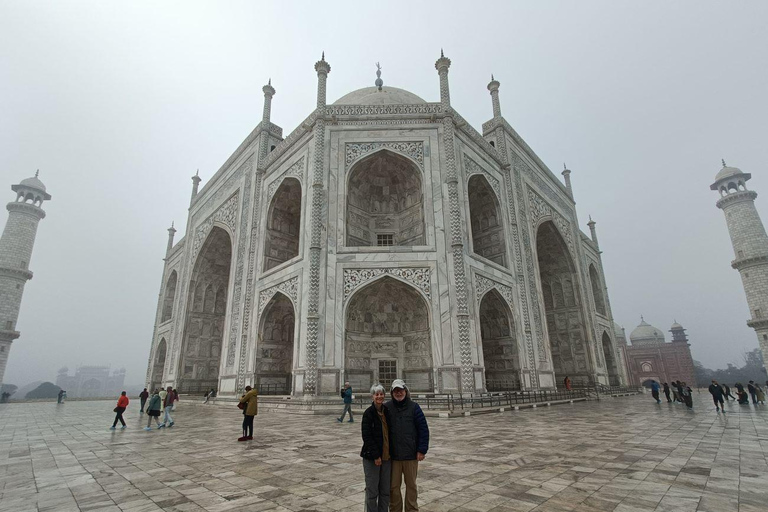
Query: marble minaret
x=750, y=245
x=15, y=251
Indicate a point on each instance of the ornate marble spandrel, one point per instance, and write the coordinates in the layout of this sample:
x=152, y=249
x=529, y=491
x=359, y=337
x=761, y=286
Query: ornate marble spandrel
x=296, y=170
x=471, y=168
x=413, y=149
x=289, y=288
x=355, y=277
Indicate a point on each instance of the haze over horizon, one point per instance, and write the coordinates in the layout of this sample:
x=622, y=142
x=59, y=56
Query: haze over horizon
x=119, y=104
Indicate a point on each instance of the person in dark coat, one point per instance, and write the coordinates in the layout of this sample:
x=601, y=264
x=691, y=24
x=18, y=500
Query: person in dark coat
x=153, y=410
x=666, y=392
x=377, y=465
x=727, y=392
x=686, y=392
x=143, y=397
x=655, y=391
x=752, y=391
x=410, y=442
x=717, y=395
x=743, y=398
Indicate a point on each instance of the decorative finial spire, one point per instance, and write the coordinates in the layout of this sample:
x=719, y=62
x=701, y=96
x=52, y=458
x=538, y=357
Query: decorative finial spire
x=37, y=173
x=492, y=79
x=323, y=56
x=172, y=224
x=565, y=167
x=197, y=173
x=269, y=82
x=441, y=53
x=723, y=160
x=379, y=82
x=590, y=219
x=642, y=319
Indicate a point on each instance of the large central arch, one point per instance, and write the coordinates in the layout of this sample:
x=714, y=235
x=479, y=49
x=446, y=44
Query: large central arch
x=158, y=365
x=387, y=336
x=565, y=321
x=385, y=202
x=610, y=360
x=499, y=343
x=206, y=312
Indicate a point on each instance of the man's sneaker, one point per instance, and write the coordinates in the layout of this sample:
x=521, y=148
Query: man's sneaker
x=250, y=438
x=244, y=438
x=147, y=428
x=112, y=428
x=351, y=421
x=339, y=420
x=171, y=424
x=121, y=428
x=161, y=426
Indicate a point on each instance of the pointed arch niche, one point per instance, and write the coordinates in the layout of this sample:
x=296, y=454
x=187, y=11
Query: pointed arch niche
x=283, y=224
x=385, y=202
x=485, y=216
x=204, y=327
x=170, y=296
x=610, y=360
x=499, y=343
x=565, y=322
x=274, y=348
x=597, y=290
x=387, y=336
x=158, y=365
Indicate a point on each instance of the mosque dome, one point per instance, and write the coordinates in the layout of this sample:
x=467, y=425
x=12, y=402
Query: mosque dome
x=727, y=172
x=646, y=334
x=373, y=96
x=676, y=326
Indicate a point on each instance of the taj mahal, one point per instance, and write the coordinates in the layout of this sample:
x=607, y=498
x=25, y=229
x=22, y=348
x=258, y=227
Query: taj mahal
x=383, y=238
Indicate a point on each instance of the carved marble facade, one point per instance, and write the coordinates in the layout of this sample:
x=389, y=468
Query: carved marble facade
x=383, y=238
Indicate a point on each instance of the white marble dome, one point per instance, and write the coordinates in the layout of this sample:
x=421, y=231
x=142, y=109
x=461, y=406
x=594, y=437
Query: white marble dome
x=374, y=96
x=645, y=334
x=727, y=172
x=33, y=182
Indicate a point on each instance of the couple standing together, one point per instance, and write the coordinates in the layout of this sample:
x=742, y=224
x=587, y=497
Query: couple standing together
x=395, y=439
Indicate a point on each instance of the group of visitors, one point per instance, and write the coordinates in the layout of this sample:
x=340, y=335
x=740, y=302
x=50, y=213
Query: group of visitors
x=754, y=391
x=161, y=400
x=721, y=393
x=395, y=439
x=680, y=392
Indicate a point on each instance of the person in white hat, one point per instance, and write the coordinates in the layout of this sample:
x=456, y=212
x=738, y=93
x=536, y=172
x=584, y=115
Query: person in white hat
x=408, y=446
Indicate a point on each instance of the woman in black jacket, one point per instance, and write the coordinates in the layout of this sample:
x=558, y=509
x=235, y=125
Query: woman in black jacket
x=375, y=453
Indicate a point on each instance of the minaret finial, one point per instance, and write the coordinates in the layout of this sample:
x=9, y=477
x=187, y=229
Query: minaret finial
x=642, y=319
x=565, y=167
x=323, y=56
x=492, y=79
x=441, y=53
x=197, y=173
x=379, y=82
x=37, y=173
x=269, y=82
x=723, y=160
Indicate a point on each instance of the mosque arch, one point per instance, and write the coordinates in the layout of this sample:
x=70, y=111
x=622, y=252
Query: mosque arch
x=384, y=203
x=564, y=317
x=283, y=224
x=488, y=239
x=158, y=364
x=499, y=343
x=275, y=346
x=170, y=296
x=597, y=290
x=387, y=336
x=611, y=364
x=204, y=325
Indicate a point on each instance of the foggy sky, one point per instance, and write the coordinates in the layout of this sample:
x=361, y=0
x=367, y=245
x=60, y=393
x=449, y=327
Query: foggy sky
x=118, y=104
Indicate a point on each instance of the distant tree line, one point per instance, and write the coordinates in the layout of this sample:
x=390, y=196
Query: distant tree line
x=753, y=369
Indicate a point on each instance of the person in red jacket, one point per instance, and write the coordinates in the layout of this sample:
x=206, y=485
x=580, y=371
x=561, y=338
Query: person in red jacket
x=122, y=404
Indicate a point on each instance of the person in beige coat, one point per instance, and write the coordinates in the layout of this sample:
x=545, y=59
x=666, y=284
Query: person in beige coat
x=249, y=403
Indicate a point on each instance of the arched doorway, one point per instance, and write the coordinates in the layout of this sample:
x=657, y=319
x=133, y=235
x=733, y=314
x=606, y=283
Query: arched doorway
x=204, y=328
x=388, y=336
x=283, y=224
x=610, y=361
x=384, y=202
x=499, y=343
x=565, y=322
x=158, y=366
x=170, y=295
x=488, y=238
x=274, y=350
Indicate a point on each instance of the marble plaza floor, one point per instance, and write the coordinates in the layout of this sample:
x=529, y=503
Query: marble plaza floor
x=624, y=454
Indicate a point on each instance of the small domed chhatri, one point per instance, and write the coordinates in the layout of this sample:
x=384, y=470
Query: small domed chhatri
x=380, y=240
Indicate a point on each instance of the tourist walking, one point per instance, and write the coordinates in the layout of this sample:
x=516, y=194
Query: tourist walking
x=249, y=403
x=377, y=466
x=61, y=394
x=686, y=392
x=743, y=398
x=655, y=391
x=122, y=404
x=170, y=398
x=727, y=392
x=410, y=442
x=153, y=410
x=666, y=392
x=752, y=391
x=676, y=397
x=346, y=394
x=209, y=395
x=567, y=383
x=143, y=397
x=717, y=395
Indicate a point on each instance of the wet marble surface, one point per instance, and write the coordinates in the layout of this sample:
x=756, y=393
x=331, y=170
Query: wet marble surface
x=625, y=455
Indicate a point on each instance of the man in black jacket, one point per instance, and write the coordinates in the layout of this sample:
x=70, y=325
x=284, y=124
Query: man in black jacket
x=410, y=442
